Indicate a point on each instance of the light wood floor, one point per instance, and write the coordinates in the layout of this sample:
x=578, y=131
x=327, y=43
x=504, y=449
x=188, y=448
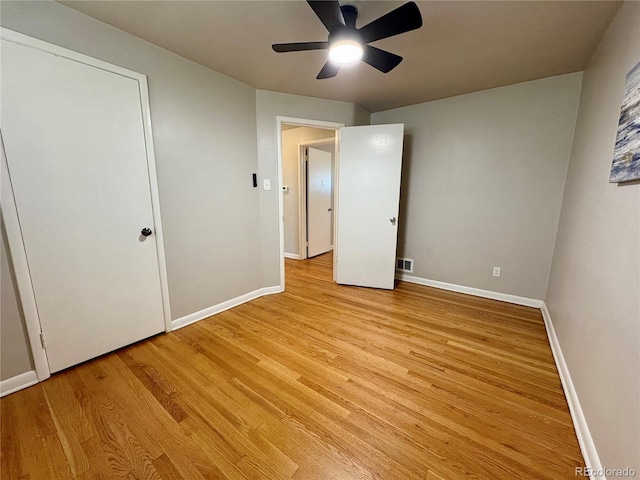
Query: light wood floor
x=321, y=382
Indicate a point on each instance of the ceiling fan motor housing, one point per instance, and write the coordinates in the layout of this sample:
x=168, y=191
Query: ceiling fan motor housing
x=350, y=14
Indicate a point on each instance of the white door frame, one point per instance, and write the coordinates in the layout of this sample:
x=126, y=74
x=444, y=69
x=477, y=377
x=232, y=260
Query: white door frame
x=10, y=212
x=302, y=190
x=301, y=122
x=21, y=269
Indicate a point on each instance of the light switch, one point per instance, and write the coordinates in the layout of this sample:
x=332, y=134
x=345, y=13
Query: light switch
x=266, y=184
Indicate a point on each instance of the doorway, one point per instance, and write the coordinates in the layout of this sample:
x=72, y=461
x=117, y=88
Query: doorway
x=297, y=143
x=366, y=201
x=308, y=156
x=294, y=136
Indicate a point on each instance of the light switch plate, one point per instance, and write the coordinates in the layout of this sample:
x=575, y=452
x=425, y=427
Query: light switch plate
x=266, y=184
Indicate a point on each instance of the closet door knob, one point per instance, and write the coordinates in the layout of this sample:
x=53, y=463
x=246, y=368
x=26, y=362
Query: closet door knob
x=146, y=232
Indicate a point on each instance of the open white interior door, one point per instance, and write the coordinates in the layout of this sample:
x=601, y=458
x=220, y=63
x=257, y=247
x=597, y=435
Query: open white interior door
x=319, y=189
x=368, y=184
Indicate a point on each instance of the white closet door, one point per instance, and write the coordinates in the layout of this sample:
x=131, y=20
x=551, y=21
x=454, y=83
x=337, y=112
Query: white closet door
x=318, y=202
x=75, y=148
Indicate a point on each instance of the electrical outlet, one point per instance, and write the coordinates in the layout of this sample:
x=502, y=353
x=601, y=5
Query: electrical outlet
x=497, y=271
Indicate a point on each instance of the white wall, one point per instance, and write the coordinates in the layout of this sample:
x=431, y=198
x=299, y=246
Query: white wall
x=269, y=105
x=482, y=183
x=594, y=289
x=205, y=144
x=290, y=162
x=15, y=357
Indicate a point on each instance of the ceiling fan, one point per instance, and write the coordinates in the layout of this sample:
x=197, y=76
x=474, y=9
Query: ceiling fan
x=348, y=44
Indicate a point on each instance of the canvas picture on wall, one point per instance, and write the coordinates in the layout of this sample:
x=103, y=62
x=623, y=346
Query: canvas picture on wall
x=626, y=156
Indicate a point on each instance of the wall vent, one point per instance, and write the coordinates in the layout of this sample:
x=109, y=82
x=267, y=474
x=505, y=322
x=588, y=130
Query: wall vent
x=404, y=265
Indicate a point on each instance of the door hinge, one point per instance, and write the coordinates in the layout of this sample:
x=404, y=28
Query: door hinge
x=42, y=340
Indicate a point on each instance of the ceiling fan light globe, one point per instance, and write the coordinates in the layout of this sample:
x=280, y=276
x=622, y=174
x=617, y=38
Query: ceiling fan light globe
x=346, y=51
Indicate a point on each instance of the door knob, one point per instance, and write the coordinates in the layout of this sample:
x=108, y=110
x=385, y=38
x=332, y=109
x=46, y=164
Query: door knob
x=329, y=210
x=393, y=220
x=146, y=232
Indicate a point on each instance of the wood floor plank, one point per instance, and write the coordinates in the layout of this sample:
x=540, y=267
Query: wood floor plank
x=38, y=450
x=157, y=384
x=13, y=455
x=214, y=418
x=151, y=424
x=292, y=437
x=321, y=382
x=124, y=452
x=166, y=469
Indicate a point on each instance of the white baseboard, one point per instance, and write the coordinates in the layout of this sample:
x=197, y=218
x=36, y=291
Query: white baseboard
x=295, y=256
x=221, y=307
x=588, y=448
x=504, y=297
x=18, y=382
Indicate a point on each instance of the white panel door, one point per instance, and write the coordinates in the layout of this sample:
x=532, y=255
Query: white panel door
x=368, y=201
x=75, y=148
x=319, y=215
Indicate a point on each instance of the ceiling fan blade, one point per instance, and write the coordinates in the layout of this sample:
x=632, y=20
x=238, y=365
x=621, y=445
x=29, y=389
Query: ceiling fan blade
x=380, y=59
x=329, y=70
x=299, y=47
x=329, y=13
x=402, y=19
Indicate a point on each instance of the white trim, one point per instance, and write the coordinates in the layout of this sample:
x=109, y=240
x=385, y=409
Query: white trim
x=31, y=42
x=336, y=206
x=21, y=269
x=504, y=297
x=302, y=204
x=303, y=123
x=294, y=256
x=155, y=202
x=19, y=382
x=280, y=199
x=221, y=307
x=320, y=141
x=23, y=276
x=587, y=446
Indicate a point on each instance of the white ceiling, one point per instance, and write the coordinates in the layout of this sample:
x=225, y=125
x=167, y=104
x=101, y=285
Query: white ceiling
x=462, y=47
